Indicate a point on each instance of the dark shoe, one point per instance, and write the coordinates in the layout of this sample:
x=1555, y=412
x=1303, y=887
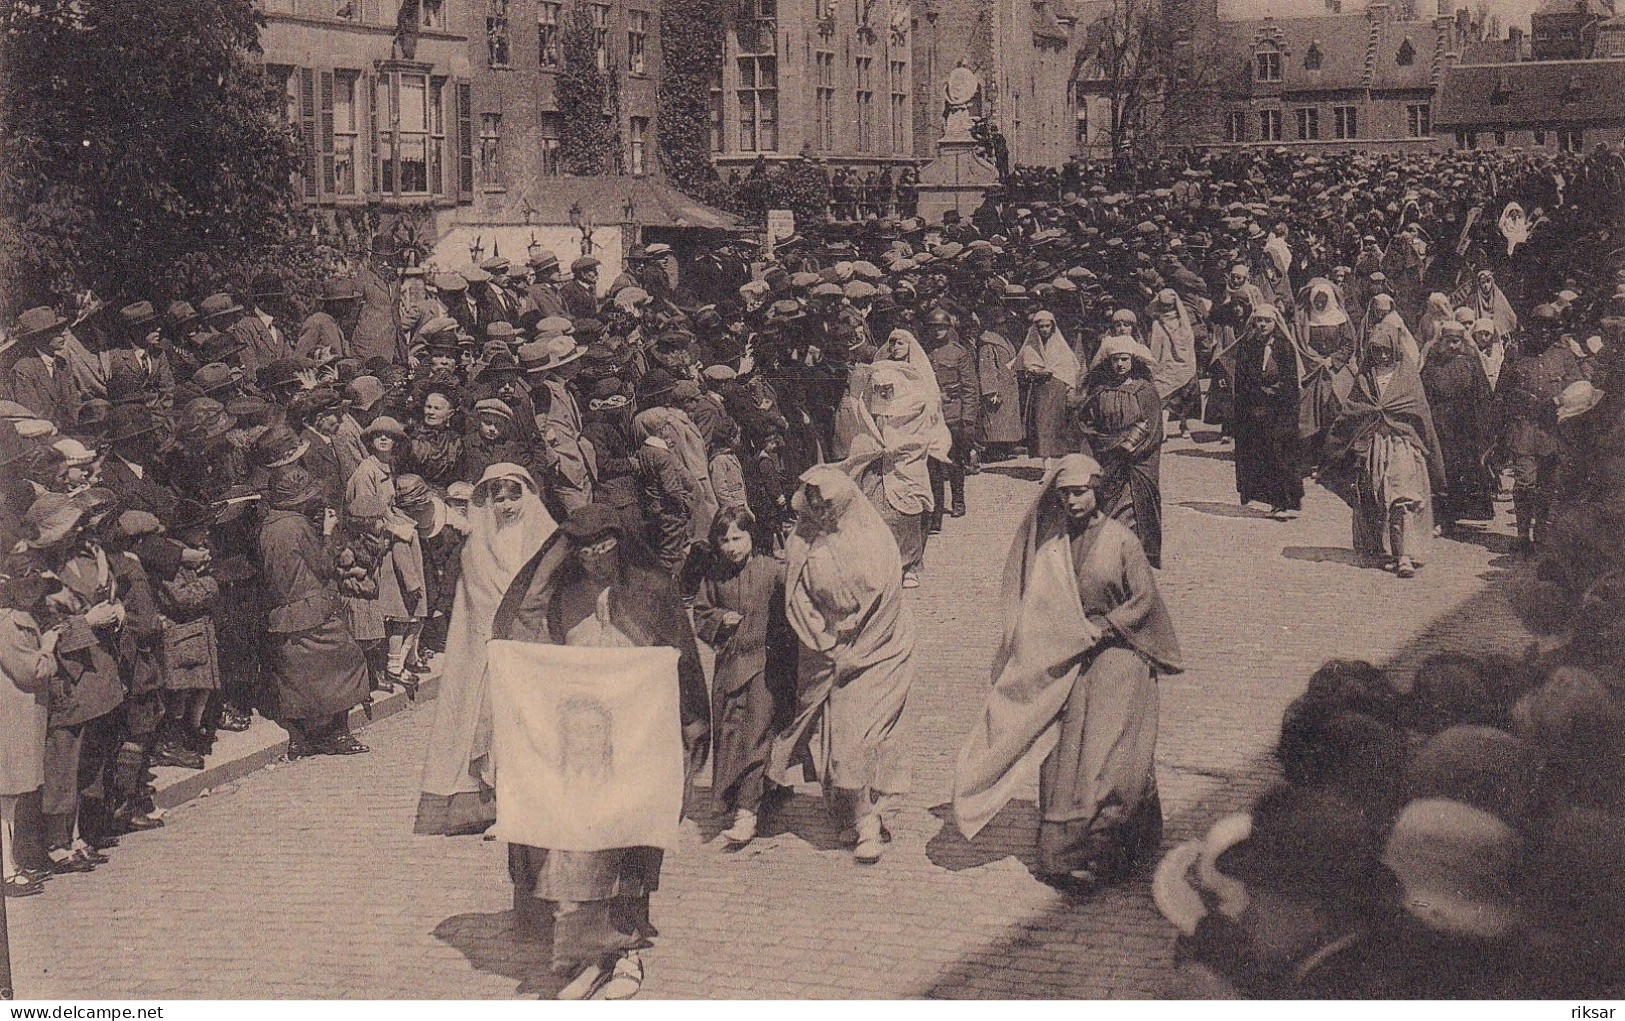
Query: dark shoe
x=235, y=720
x=957, y=510
x=343, y=744
x=72, y=863
x=34, y=875
x=171, y=754
x=19, y=885
x=409, y=683
x=934, y=525
x=135, y=818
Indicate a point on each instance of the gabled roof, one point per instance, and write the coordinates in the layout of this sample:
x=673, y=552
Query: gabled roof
x=1355, y=54
x=1545, y=93
x=1594, y=8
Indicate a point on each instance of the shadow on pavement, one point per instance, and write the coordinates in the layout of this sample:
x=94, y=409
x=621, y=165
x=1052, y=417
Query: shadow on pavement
x=1116, y=945
x=1211, y=455
x=803, y=816
x=1027, y=473
x=501, y=943
x=1324, y=555
x=1008, y=835
x=1226, y=510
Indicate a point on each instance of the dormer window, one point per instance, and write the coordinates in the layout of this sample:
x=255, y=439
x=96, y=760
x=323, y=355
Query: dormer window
x=1406, y=55
x=1267, y=65
x=1503, y=92
x=1575, y=91
x=1313, y=57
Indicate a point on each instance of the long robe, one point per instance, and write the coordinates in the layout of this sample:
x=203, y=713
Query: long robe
x=458, y=778
x=599, y=900
x=1171, y=337
x=753, y=693
x=1122, y=426
x=996, y=364
x=1463, y=409
x=1056, y=368
x=1074, y=688
x=314, y=664
x=1326, y=344
x=1266, y=422
x=844, y=598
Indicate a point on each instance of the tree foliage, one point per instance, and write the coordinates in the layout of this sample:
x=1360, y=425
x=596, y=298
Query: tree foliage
x=145, y=150
x=691, y=50
x=590, y=142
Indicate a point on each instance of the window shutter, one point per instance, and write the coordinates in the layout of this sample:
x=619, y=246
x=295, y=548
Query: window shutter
x=325, y=183
x=369, y=95
x=465, y=141
x=307, y=130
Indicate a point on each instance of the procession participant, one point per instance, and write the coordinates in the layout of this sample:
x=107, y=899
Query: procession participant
x=1120, y=418
x=507, y=526
x=739, y=611
x=1490, y=348
x=1048, y=360
x=954, y=367
x=369, y=502
x=1326, y=345
x=1384, y=324
x=580, y=292
x=39, y=379
x=997, y=365
x=1230, y=318
x=1171, y=339
x=27, y=667
x=1488, y=301
x=1438, y=312
x=594, y=585
x=843, y=597
x=1085, y=637
x=317, y=670
x=1266, y=424
x=1463, y=409
x=1383, y=460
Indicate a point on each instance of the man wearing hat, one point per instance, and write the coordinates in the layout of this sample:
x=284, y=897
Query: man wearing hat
x=580, y=292
x=131, y=470
x=40, y=380
x=263, y=331
x=324, y=328
x=496, y=304
x=550, y=365
x=140, y=364
x=1528, y=390
x=955, y=369
x=543, y=295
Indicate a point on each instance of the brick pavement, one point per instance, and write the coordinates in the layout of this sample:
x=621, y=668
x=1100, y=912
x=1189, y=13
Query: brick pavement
x=304, y=880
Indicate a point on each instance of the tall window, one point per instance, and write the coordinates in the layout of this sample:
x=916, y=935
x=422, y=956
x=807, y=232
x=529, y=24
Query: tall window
x=491, y=149
x=715, y=111
x=496, y=33
x=866, y=103
x=346, y=131
x=1418, y=120
x=1540, y=136
x=899, y=106
x=1080, y=130
x=1571, y=139
x=1313, y=57
x=549, y=49
x=1235, y=126
x=1406, y=55
x=1269, y=125
x=418, y=136
x=758, y=98
x=548, y=135
x=600, y=35
x=1345, y=121
x=1308, y=124
x=637, y=35
x=758, y=33
x=1268, y=65
x=638, y=140
x=824, y=101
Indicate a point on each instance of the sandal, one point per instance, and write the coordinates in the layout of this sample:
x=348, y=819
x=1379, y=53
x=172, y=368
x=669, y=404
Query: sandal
x=587, y=982
x=625, y=979
x=345, y=744
x=19, y=885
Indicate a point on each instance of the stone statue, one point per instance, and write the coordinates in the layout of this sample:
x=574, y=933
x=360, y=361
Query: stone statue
x=958, y=93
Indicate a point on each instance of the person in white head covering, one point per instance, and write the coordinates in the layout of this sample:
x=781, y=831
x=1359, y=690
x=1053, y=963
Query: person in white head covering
x=508, y=524
x=1120, y=417
x=1074, y=686
x=1326, y=344
x=843, y=596
x=1053, y=367
x=1268, y=396
x=1171, y=337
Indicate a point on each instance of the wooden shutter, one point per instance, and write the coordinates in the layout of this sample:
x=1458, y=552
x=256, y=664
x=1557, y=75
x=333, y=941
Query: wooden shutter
x=307, y=130
x=465, y=141
x=326, y=183
x=370, y=184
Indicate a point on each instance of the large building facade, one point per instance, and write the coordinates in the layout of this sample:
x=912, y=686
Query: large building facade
x=831, y=79
x=1558, y=104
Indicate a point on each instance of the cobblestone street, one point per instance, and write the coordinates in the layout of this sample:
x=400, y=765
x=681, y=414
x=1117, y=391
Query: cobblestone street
x=304, y=880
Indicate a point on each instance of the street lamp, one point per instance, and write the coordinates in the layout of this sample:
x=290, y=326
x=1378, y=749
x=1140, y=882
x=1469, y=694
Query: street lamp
x=476, y=251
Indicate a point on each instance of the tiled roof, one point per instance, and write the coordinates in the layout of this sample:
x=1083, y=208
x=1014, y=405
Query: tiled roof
x=1593, y=7
x=1355, y=53
x=1548, y=92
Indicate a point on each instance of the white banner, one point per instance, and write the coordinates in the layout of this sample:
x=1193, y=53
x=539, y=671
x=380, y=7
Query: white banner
x=588, y=746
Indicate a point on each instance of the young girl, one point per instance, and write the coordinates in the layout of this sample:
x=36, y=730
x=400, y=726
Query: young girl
x=739, y=611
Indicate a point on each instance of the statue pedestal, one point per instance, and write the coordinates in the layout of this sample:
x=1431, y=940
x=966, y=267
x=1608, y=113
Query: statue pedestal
x=956, y=179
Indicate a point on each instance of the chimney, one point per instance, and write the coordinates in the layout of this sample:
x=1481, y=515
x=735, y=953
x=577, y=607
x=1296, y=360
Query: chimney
x=1378, y=11
x=1515, y=37
x=1334, y=6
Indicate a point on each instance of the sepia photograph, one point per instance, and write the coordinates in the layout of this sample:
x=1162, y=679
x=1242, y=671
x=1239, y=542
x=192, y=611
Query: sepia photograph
x=801, y=500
